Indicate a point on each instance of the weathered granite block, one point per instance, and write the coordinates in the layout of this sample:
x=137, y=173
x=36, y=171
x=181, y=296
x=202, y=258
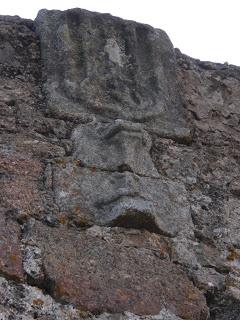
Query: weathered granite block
x=112, y=68
x=116, y=146
x=125, y=199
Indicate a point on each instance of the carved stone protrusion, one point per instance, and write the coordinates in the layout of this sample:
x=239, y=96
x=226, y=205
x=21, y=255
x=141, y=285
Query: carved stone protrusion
x=121, y=199
x=117, y=146
x=110, y=68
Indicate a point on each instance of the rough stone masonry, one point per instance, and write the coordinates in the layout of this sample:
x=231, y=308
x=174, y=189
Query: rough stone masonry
x=119, y=174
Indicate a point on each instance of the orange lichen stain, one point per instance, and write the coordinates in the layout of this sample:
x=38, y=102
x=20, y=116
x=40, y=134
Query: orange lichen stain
x=122, y=295
x=13, y=258
x=79, y=219
x=61, y=291
x=193, y=296
x=62, y=162
x=233, y=254
x=62, y=218
x=75, y=192
x=23, y=216
x=82, y=313
x=81, y=222
x=65, y=185
x=37, y=302
x=78, y=162
x=77, y=210
x=165, y=248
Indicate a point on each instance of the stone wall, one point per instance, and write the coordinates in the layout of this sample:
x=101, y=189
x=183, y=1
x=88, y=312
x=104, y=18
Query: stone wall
x=119, y=167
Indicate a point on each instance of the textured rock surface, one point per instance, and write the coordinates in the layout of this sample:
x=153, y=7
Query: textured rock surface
x=10, y=249
x=132, y=201
x=23, y=302
x=115, y=270
x=119, y=174
x=111, y=68
x=117, y=146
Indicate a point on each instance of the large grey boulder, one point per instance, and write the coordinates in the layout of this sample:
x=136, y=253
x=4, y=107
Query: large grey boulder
x=112, y=68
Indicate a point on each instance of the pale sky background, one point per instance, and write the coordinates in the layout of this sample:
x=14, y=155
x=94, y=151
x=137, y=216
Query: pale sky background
x=204, y=29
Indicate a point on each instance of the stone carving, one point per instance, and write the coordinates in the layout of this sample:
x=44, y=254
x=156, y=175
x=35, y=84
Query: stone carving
x=123, y=199
x=114, y=69
x=117, y=146
x=124, y=76
x=95, y=148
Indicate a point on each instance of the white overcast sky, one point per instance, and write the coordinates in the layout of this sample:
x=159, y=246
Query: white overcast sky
x=203, y=29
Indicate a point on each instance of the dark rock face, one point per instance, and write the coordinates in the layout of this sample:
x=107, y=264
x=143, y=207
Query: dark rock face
x=119, y=166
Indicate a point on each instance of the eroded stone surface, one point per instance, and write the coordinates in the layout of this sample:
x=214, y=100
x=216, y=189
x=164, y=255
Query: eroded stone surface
x=116, y=146
x=211, y=93
x=112, y=270
x=10, y=248
x=19, y=191
x=23, y=302
x=108, y=142
x=125, y=199
x=111, y=68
